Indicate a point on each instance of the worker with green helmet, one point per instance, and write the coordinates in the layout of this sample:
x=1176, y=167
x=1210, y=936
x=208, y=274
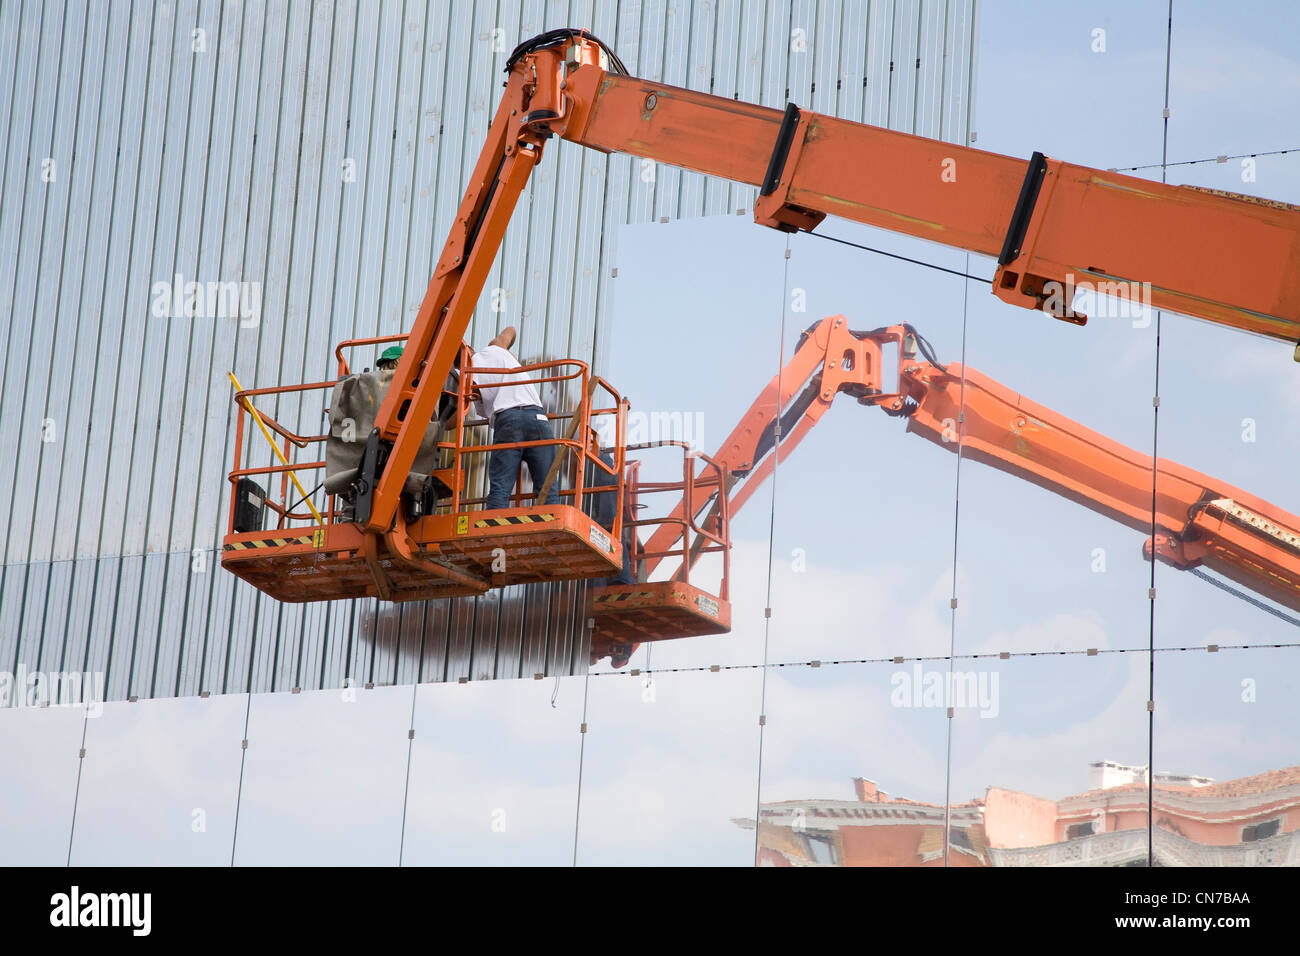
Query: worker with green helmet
x=388, y=358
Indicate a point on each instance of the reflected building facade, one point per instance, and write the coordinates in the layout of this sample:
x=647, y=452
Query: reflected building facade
x=1251, y=821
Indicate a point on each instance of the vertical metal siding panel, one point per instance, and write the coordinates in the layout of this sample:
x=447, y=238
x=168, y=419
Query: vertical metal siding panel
x=11, y=21
x=13, y=581
x=54, y=634
x=880, y=34
x=124, y=528
x=537, y=625
x=561, y=323
x=293, y=670
x=105, y=439
x=775, y=71
x=240, y=52
x=284, y=54
x=184, y=378
x=20, y=26
x=902, y=106
x=649, y=59
x=674, y=60
x=827, y=62
x=206, y=390
x=123, y=622
x=352, y=288
x=424, y=246
x=220, y=628
x=247, y=618
x=304, y=101
x=388, y=639
x=99, y=174
x=723, y=81
x=802, y=64
x=698, y=76
x=511, y=269
x=265, y=189
x=363, y=641
x=20, y=425
x=459, y=638
x=147, y=631
x=510, y=612
x=590, y=265
x=959, y=77
x=482, y=93
x=619, y=172
x=508, y=271
x=565, y=610
x=196, y=622
x=451, y=181
x=300, y=362
x=81, y=607
x=165, y=374
x=410, y=640
x=332, y=665
x=75, y=151
x=852, y=59
x=402, y=110
x=107, y=575
x=32, y=631
x=325, y=326
x=749, y=84
x=178, y=581
x=929, y=75
x=374, y=223
x=433, y=663
x=282, y=318
x=142, y=366
x=303, y=671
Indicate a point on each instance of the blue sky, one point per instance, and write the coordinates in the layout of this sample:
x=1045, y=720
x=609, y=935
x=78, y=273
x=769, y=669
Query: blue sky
x=698, y=315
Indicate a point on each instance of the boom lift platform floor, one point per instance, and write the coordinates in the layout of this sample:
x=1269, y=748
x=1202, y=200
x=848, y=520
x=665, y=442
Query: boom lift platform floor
x=526, y=545
x=636, y=613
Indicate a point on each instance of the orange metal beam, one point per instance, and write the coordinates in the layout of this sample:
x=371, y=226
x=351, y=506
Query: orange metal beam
x=1198, y=519
x=1230, y=259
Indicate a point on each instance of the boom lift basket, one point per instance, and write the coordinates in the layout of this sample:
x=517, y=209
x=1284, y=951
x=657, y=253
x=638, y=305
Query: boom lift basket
x=630, y=614
x=443, y=545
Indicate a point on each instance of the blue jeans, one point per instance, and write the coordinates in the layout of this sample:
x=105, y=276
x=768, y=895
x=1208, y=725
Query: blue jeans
x=520, y=424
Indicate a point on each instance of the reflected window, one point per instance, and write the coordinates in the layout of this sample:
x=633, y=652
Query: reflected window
x=1261, y=831
x=821, y=848
x=961, y=839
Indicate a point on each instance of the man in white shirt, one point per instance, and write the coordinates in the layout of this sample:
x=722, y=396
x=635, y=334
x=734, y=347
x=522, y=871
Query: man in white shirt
x=516, y=415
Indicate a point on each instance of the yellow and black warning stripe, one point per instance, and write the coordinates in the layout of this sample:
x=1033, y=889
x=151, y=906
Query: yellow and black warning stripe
x=626, y=596
x=267, y=543
x=512, y=519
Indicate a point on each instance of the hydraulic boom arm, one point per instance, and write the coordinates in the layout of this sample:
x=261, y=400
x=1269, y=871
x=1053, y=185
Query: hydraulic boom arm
x=1199, y=520
x=1230, y=259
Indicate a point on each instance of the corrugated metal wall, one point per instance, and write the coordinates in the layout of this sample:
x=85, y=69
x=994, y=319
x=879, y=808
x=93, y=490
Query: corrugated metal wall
x=319, y=150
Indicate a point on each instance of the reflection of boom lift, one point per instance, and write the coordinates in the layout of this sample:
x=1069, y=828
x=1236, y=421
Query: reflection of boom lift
x=1198, y=519
x=1050, y=224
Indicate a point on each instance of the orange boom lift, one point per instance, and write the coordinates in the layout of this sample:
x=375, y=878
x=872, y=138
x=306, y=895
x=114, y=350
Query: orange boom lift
x=1050, y=225
x=1199, y=520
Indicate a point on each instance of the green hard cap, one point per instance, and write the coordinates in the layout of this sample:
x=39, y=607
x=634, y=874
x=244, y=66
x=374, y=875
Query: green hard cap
x=391, y=354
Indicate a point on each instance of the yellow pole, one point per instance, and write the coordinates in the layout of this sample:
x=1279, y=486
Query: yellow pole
x=274, y=447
